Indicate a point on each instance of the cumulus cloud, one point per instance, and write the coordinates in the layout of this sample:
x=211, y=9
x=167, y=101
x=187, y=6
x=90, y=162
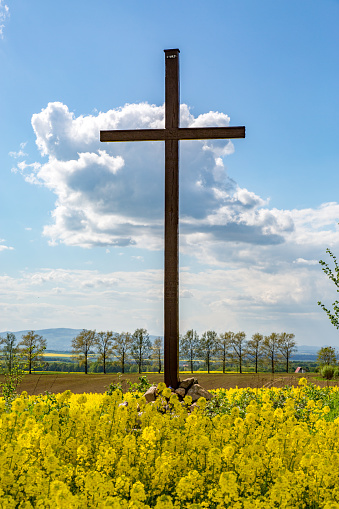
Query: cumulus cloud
x=4, y=14
x=112, y=194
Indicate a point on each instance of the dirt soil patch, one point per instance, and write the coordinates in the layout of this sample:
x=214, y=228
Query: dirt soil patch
x=79, y=382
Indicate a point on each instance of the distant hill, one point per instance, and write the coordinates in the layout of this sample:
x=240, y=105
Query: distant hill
x=59, y=340
x=306, y=353
x=309, y=348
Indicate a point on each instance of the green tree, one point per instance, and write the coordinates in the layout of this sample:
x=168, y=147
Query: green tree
x=31, y=348
x=223, y=348
x=121, y=347
x=333, y=276
x=254, y=349
x=141, y=347
x=238, y=343
x=104, y=342
x=83, y=345
x=9, y=351
x=271, y=350
x=326, y=356
x=189, y=344
x=208, y=347
x=157, y=352
x=287, y=346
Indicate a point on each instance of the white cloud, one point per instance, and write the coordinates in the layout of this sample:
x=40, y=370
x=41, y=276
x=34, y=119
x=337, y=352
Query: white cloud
x=243, y=298
x=3, y=247
x=4, y=14
x=112, y=194
x=20, y=152
x=84, y=298
x=306, y=262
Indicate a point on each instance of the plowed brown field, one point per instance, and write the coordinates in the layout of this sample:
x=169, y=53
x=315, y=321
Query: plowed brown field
x=79, y=382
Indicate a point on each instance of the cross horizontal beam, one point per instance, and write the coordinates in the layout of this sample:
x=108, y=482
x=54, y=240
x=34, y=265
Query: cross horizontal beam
x=179, y=133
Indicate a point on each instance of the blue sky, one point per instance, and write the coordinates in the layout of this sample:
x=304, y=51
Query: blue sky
x=81, y=222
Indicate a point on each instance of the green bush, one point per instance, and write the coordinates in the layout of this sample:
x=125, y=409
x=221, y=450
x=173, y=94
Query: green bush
x=328, y=372
x=336, y=373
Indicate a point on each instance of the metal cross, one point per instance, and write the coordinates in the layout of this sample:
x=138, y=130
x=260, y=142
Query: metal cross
x=171, y=135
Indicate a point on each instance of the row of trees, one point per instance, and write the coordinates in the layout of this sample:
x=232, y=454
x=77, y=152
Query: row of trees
x=227, y=348
x=123, y=346
x=106, y=345
x=235, y=348
x=27, y=352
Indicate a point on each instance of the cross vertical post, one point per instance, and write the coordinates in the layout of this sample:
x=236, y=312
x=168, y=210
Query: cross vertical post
x=171, y=256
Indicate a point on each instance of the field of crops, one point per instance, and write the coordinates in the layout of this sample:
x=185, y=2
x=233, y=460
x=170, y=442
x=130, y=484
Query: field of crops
x=247, y=448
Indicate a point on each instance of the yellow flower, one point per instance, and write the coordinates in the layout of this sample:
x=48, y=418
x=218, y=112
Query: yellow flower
x=235, y=412
x=18, y=405
x=278, y=414
x=188, y=400
x=149, y=434
x=228, y=452
x=138, y=492
x=82, y=399
x=82, y=452
x=238, y=422
x=122, y=485
x=310, y=404
x=190, y=486
x=164, y=502
x=161, y=386
x=250, y=417
x=167, y=392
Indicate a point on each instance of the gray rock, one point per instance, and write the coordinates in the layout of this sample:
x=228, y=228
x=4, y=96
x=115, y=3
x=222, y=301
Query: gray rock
x=186, y=384
x=196, y=392
x=151, y=394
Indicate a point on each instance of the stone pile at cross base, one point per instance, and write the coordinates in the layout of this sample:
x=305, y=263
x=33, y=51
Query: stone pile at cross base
x=188, y=387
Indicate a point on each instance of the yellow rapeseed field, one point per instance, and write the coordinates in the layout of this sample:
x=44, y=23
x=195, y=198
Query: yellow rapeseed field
x=250, y=448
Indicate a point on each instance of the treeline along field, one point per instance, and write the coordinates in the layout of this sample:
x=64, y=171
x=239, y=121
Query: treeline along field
x=110, y=352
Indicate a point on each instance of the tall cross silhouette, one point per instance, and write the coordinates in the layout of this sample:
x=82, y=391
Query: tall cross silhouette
x=171, y=136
